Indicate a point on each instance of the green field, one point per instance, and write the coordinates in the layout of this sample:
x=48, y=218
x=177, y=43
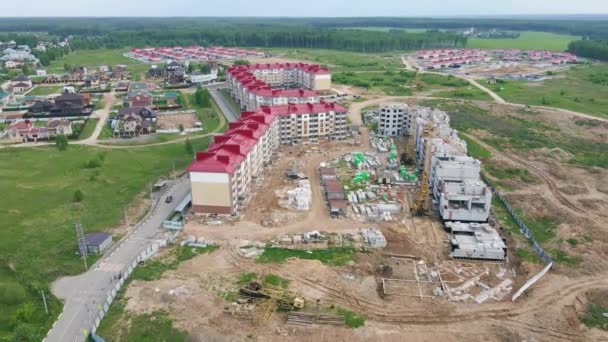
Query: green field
x=527, y=40
x=400, y=83
x=95, y=58
x=88, y=129
x=38, y=210
x=45, y=90
x=338, y=60
x=573, y=89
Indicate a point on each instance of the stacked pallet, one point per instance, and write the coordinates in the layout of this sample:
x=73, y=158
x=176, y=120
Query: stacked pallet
x=303, y=318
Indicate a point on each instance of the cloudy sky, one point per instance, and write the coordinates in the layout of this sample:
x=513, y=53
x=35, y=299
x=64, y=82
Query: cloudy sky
x=312, y=8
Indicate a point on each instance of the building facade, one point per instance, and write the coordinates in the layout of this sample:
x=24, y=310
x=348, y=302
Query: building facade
x=258, y=85
x=395, y=119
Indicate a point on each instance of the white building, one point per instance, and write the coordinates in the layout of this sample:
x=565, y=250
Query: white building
x=395, y=119
x=196, y=78
x=475, y=241
x=458, y=192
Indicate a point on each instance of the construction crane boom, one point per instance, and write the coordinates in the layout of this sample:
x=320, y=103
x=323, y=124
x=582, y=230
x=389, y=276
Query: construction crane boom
x=422, y=203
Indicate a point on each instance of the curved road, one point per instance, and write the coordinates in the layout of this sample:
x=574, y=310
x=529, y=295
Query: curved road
x=84, y=294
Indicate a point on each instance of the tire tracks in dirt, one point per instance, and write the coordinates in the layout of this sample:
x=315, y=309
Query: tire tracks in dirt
x=553, y=188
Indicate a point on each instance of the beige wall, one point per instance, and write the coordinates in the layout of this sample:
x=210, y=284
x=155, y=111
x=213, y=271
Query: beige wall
x=322, y=84
x=211, y=194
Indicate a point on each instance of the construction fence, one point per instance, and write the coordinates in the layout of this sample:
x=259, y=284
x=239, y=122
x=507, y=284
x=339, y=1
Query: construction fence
x=143, y=256
x=520, y=223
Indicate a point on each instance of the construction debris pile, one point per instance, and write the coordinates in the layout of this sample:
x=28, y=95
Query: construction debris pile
x=367, y=238
x=298, y=198
x=376, y=187
x=193, y=241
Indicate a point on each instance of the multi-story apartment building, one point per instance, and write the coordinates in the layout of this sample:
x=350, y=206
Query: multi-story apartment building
x=454, y=178
x=309, y=122
x=222, y=178
x=258, y=85
x=395, y=119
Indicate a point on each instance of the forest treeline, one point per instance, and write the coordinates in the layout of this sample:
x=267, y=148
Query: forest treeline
x=597, y=49
x=278, y=37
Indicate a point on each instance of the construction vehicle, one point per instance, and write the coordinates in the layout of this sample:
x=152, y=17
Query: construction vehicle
x=268, y=299
x=422, y=204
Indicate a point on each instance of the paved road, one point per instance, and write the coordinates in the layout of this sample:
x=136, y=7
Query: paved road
x=226, y=109
x=83, y=294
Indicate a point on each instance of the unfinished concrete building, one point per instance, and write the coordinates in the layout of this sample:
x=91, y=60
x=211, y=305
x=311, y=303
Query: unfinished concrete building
x=475, y=241
x=458, y=192
x=395, y=119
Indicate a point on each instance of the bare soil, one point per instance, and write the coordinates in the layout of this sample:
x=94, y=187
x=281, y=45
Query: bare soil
x=173, y=121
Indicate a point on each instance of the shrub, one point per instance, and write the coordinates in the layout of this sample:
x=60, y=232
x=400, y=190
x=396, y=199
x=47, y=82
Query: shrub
x=78, y=196
x=61, y=141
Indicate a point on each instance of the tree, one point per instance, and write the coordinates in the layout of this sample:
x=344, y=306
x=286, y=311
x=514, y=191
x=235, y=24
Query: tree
x=189, y=147
x=61, y=141
x=67, y=67
x=202, y=97
x=26, y=70
x=180, y=127
x=205, y=68
x=241, y=62
x=78, y=196
x=191, y=67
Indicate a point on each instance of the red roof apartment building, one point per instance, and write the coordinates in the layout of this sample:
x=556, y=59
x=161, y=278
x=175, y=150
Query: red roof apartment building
x=275, y=84
x=223, y=176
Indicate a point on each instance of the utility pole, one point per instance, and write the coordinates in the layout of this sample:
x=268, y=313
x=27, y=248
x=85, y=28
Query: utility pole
x=82, y=245
x=46, y=308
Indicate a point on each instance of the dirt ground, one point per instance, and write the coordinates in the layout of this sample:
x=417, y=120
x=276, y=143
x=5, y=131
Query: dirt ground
x=172, y=121
x=549, y=311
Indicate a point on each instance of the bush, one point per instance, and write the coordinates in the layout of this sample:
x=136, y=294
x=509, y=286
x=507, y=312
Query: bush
x=12, y=293
x=78, y=196
x=92, y=164
x=61, y=141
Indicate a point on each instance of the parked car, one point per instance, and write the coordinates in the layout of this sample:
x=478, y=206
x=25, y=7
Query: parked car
x=168, y=199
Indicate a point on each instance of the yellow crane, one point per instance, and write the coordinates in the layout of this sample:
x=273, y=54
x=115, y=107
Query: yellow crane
x=422, y=205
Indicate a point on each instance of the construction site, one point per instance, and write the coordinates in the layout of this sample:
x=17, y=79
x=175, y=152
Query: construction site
x=371, y=238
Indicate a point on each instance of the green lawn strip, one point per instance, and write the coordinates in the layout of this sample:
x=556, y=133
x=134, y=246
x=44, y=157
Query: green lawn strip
x=231, y=102
x=467, y=93
x=88, y=129
x=596, y=317
x=92, y=59
x=275, y=280
x=474, y=149
x=333, y=256
x=351, y=319
x=154, y=269
x=505, y=219
x=526, y=40
x=509, y=173
x=45, y=90
x=38, y=208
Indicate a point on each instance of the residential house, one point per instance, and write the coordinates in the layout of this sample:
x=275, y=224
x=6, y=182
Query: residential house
x=25, y=130
x=139, y=99
x=78, y=73
x=120, y=72
x=92, y=81
x=104, y=68
x=21, y=79
x=65, y=104
x=134, y=121
x=40, y=72
x=12, y=64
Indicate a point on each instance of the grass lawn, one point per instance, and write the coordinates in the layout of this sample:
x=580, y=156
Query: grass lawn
x=154, y=269
x=338, y=60
x=573, y=89
x=594, y=317
x=45, y=90
x=38, y=210
x=95, y=58
x=88, y=129
x=331, y=256
x=231, y=102
x=527, y=40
